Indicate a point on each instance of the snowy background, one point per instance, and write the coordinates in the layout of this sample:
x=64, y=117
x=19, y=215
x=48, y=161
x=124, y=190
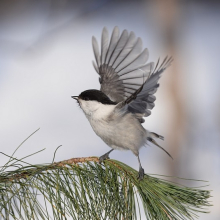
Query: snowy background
x=45, y=58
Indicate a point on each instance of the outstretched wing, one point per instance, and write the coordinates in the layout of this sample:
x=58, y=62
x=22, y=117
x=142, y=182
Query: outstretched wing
x=122, y=64
x=142, y=100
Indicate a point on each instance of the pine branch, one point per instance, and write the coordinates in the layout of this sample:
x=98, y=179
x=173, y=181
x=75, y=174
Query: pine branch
x=82, y=188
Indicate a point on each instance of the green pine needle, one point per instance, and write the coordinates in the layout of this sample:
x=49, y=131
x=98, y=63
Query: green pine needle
x=82, y=188
x=90, y=190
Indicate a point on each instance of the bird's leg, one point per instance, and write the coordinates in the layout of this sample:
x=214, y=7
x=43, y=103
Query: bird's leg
x=105, y=156
x=141, y=170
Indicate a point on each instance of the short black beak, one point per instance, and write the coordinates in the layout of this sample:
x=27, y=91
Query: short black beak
x=74, y=97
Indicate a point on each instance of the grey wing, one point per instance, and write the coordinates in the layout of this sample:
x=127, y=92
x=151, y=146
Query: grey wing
x=142, y=100
x=121, y=65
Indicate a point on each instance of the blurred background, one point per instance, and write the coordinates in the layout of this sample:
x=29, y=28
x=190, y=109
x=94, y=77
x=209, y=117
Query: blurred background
x=45, y=57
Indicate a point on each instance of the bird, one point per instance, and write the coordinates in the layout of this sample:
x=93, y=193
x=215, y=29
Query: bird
x=127, y=86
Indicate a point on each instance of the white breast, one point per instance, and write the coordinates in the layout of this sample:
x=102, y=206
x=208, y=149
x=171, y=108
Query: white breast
x=117, y=131
x=98, y=116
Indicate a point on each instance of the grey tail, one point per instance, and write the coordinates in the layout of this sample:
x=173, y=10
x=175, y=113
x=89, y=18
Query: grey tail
x=157, y=135
x=155, y=143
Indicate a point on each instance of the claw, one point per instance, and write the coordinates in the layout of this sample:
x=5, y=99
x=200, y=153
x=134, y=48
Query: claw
x=141, y=174
x=104, y=157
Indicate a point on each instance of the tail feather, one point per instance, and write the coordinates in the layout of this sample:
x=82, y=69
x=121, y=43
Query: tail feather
x=155, y=143
x=157, y=135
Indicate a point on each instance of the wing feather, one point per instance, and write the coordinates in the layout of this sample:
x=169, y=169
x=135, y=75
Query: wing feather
x=129, y=46
x=131, y=56
x=96, y=50
x=120, y=45
x=95, y=66
x=113, y=43
x=139, y=61
x=138, y=105
x=104, y=43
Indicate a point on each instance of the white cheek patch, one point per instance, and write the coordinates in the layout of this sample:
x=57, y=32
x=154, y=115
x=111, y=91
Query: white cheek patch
x=82, y=103
x=96, y=110
x=89, y=106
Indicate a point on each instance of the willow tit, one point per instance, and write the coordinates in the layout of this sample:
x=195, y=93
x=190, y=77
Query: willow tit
x=126, y=95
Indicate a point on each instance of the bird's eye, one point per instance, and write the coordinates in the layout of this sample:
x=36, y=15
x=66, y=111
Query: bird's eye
x=86, y=98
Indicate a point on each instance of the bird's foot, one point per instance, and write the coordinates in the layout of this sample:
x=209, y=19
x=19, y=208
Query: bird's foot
x=141, y=174
x=104, y=157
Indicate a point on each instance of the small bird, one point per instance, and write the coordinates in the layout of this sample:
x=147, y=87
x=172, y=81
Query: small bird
x=128, y=83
